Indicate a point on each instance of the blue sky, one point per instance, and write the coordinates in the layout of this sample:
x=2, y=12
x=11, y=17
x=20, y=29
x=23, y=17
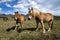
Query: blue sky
x=10, y=6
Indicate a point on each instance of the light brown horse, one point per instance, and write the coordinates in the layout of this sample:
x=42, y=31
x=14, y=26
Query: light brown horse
x=41, y=17
x=19, y=19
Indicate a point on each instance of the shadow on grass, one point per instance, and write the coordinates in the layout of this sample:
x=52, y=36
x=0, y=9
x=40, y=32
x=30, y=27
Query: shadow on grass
x=12, y=28
x=20, y=30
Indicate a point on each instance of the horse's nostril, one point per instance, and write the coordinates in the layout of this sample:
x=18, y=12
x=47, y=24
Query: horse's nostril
x=28, y=18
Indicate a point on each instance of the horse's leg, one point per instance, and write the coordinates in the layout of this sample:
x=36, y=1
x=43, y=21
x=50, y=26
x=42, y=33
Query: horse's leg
x=42, y=24
x=37, y=25
x=21, y=25
x=50, y=25
x=16, y=25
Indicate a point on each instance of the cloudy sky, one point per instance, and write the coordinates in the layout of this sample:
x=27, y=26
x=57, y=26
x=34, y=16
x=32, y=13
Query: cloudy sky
x=10, y=6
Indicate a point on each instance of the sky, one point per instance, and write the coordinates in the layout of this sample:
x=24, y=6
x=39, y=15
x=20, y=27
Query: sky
x=11, y=6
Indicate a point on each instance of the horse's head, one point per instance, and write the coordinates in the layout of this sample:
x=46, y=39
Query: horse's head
x=30, y=13
x=16, y=15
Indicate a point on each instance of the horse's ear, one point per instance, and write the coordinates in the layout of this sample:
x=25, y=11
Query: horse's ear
x=31, y=8
x=28, y=8
x=16, y=12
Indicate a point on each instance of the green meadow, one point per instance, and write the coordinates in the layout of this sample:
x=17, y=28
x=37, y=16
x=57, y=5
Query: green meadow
x=26, y=34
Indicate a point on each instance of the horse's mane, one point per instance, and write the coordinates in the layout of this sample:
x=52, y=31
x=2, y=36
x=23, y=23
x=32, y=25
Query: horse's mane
x=36, y=11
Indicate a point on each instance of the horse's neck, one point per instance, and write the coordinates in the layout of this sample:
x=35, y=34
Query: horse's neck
x=37, y=14
x=18, y=15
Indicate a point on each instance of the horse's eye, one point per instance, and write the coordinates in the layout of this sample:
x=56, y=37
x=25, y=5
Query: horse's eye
x=30, y=11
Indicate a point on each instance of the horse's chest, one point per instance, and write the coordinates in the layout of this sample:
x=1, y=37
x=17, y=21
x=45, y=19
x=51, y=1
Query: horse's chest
x=37, y=19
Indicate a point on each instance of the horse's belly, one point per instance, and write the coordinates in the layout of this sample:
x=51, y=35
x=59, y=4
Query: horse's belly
x=45, y=20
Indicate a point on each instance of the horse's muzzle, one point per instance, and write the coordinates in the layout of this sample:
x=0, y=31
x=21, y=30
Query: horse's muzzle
x=29, y=19
x=15, y=19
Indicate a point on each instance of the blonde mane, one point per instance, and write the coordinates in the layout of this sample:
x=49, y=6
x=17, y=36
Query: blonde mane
x=36, y=12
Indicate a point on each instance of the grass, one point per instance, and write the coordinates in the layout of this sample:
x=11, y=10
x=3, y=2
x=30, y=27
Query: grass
x=26, y=34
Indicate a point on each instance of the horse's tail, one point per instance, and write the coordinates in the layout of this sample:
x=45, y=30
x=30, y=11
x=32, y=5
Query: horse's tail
x=52, y=22
x=52, y=25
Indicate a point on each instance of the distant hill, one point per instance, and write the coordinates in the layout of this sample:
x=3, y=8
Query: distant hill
x=57, y=17
x=12, y=16
x=4, y=15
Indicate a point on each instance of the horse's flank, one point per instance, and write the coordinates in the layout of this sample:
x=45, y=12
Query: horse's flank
x=45, y=17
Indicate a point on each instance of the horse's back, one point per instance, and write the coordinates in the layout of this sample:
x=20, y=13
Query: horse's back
x=48, y=16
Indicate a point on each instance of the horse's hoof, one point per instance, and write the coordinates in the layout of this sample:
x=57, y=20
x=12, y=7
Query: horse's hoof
x=36, y=30
x=48, y=29
x=44, y=31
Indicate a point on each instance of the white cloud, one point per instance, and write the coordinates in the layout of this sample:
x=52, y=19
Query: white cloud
x=42, y=5
x=0, y=9
x=8, y=5
x=19, y=6
x=49, y=6
x=40, y=1
x=34, y=4
x=24, y=5
x=56, y=13
x=57, y=8
x=6, y=1
x=9, y=12
x=21, y=11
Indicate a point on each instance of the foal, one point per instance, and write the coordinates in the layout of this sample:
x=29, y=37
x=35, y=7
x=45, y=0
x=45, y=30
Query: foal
x=41, y=17
x=19, y=19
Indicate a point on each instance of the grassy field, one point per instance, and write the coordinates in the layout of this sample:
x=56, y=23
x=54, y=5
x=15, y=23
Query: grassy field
x=28, y=34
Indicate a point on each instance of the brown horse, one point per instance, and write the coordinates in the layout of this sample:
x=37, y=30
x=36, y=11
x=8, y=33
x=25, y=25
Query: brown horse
x=5, y=18
x=41, y=17
x=19, y=19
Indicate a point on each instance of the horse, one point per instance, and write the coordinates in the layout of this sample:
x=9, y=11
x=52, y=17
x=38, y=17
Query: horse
x=5, y=18
x=19, y=19
x=41, y=18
